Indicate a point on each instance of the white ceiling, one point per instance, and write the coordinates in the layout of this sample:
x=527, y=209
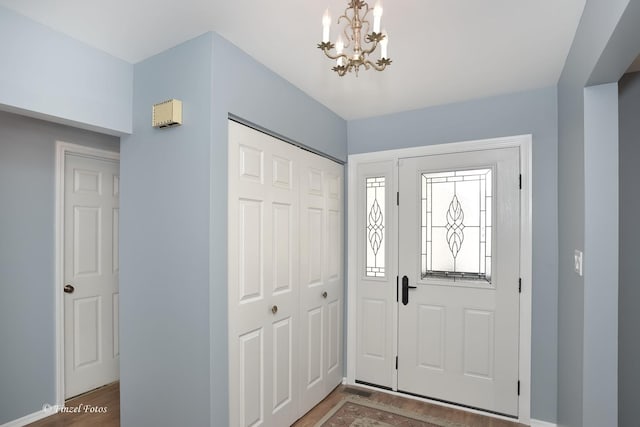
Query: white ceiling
x=443, y=51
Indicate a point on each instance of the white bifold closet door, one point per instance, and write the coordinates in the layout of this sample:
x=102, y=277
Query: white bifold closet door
x=285, y=278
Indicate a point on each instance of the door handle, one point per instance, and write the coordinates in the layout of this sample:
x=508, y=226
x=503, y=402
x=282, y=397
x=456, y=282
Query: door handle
x=324, y=294
x=405, y=290
x=68, y=289
x=274, y=309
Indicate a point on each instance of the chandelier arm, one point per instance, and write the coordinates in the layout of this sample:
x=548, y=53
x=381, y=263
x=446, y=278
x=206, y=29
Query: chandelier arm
x=371, y=49
x=340, y=55
x=375, y=66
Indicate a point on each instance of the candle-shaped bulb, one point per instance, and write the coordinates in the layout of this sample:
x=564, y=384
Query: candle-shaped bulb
x=326, y=25
x=384, y=53
x=377, y=17
x=340, y=49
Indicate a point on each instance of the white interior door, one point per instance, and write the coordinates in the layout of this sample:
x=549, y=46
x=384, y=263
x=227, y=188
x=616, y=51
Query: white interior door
x=321, y=278
x=263, y=278
x=91, y=225
x=459, y=221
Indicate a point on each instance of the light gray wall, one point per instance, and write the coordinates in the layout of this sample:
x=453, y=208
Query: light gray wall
x=27, y=251
x=603, y=46
x=629, y=287
x=245, y=88
x=173, y=278
x=533, y=112
x=50, y=75
x=164, y=245
x=600, y=380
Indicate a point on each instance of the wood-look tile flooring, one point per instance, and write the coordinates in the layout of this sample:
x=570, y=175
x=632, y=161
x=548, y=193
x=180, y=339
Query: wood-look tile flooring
x=105, y=397
x=109, y=397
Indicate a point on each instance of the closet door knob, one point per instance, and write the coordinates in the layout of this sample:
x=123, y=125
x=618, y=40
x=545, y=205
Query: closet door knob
x=324, y=294
x=274, y=309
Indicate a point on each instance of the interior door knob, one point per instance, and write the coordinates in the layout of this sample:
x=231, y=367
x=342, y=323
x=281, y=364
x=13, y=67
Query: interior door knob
x=274, y=309
x=324, y=294
x=69, y=288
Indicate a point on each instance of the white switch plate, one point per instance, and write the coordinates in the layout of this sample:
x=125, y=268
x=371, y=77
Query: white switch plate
x=577, y=262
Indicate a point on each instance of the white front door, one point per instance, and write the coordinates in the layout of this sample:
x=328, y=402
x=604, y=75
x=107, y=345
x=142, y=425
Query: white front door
x=459, y=222
x=91, y=223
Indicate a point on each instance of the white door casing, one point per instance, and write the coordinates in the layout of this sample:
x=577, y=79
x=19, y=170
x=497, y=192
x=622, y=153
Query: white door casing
x=91, y=267
x=285, y=225
x=378, y=164
x=458, y=340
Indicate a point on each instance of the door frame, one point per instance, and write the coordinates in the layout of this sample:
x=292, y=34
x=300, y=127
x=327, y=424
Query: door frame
x=62, y=149
x=524, y=143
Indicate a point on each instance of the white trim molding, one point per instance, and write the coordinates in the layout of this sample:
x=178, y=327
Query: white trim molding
x=63, y=148
x=524, y=143
x=538, y=423
x=28, y=419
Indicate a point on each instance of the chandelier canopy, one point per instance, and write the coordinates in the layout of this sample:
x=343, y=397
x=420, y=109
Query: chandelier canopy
x=359, y=45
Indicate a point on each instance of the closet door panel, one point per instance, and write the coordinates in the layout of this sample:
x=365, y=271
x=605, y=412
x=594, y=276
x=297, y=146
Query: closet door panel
x=263, y=270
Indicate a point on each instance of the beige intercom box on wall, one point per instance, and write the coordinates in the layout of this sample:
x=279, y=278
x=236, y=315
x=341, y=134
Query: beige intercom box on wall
x=167, y=114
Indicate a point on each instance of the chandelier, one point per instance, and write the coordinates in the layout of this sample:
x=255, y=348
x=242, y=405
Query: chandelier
x=356, y=15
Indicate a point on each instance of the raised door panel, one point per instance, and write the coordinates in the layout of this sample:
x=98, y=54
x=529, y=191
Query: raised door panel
x=315, y=245
x=282, y=364
x=431, y=336
x=372, y=328
x=282, y=248
x=250, y=250
x=478, y=343
x=334, y=254
x=252, y=399
x=334, y=337
x=115, y=239
x=87, y=326
x=314, y=351
x=87, y=238
x=87, y=182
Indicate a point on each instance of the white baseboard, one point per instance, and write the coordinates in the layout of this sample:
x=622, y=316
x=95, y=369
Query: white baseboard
x=538, y=423
x=28, y=419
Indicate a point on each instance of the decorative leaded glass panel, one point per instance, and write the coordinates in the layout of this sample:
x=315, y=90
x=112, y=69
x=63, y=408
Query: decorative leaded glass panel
x=456, y=224
x=375, y=223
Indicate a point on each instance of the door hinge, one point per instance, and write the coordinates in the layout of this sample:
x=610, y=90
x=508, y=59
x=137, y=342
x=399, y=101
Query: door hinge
x=397, y=287
x=520, y=285
x=396, y=363
x=518, y=387
x=398, y=198
x=520, y=181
